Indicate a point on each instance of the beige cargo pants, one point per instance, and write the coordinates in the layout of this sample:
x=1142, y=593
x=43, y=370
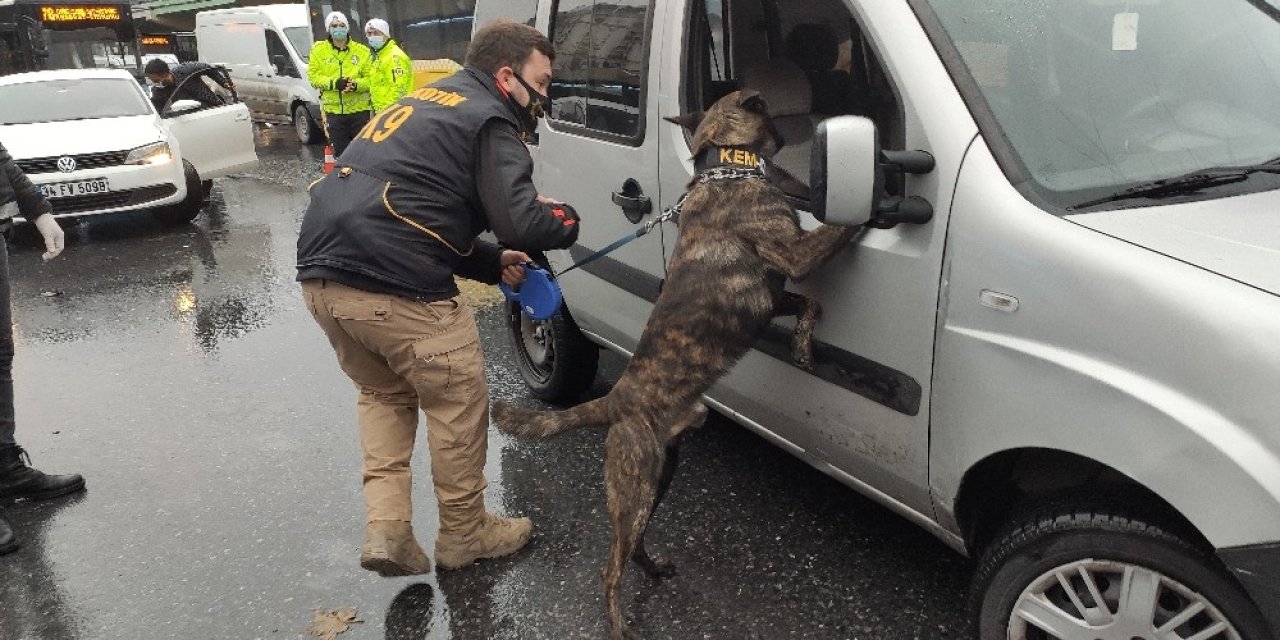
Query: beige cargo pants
x=404, y=355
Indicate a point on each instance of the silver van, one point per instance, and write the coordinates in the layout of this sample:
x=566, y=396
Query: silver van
x=1056, y=342
x=266, y=48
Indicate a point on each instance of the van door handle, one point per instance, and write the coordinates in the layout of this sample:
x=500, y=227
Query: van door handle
x=635, y=205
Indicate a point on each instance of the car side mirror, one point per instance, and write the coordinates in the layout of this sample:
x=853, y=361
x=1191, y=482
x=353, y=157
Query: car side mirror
x=182, y=107
x=847, y=177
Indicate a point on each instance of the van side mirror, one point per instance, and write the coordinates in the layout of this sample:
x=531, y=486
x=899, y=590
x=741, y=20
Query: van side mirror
x=844, y=175
x=281, y=63
x=847, y=177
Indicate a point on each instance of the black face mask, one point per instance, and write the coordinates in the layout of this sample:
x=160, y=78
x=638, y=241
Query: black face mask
x=536, y=109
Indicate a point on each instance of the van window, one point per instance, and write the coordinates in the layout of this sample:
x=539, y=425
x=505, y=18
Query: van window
x=522, y=11
x=601, y=66
x=1093, y=97
x=807, y=58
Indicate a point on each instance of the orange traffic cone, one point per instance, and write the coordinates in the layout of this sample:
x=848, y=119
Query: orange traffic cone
x=329, y=160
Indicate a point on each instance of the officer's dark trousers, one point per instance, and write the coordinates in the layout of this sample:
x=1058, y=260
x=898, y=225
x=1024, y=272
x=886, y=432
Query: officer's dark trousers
x=342, y=128
x=6, y=350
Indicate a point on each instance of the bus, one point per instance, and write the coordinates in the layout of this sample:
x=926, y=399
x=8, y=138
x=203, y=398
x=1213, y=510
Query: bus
x=37, y=35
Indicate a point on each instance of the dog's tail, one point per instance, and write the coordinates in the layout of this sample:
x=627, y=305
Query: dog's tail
x=544, y=424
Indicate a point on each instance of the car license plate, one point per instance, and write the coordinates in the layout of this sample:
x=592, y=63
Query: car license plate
x=69, y=189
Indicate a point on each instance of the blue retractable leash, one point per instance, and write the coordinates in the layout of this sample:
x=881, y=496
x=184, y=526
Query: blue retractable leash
x=539, y=297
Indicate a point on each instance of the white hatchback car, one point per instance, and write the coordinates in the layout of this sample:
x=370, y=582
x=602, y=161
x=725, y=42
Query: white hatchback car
x=94, y=143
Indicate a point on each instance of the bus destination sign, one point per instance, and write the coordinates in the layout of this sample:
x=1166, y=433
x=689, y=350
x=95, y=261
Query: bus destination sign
x=79, y=13
x=160, y=41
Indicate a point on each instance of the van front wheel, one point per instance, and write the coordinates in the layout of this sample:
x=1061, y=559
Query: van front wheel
x=557, y=362
x=305, y=126
x=1105, y=574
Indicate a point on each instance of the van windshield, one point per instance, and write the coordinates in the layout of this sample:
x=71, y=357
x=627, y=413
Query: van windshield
x=1094, y=95
x=300, y=38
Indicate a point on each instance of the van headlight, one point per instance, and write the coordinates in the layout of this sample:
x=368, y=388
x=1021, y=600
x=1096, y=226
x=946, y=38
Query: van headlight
x=156, y=153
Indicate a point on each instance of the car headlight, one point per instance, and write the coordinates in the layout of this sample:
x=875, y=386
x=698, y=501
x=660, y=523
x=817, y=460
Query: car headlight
x=155, y=153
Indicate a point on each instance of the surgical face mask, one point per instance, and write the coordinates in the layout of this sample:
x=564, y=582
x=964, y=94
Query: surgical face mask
x=537, y=107
x=338, y=33
x=377, y=42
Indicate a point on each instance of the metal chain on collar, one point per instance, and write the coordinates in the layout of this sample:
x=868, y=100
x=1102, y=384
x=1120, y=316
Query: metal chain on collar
x=710, y=175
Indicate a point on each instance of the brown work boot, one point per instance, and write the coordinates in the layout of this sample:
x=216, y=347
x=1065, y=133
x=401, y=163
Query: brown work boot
x=391, y=550
x=494, y=538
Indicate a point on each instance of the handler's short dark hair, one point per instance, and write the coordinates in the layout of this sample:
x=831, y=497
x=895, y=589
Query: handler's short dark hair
x=156, y=67
x=503, y=43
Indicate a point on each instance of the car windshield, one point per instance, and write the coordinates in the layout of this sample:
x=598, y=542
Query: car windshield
x=71, y=99
x=300, y=38
x=1095, y=95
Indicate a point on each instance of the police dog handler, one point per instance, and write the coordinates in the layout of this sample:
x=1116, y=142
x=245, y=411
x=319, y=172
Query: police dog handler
x=381, y=241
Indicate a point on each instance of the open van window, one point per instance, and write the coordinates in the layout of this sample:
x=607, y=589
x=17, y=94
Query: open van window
x=809, y=59
x=1093, y=97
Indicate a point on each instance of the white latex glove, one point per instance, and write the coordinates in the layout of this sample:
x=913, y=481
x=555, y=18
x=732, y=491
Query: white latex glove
x=52, y=234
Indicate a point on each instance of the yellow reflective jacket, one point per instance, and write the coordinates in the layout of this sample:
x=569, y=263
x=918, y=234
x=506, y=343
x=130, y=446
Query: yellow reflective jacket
x=328, y=63
x=391, y=76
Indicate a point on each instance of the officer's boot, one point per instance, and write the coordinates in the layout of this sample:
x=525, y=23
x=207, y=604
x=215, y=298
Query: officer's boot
x=391, y=550
x=468, y=532
x=8, y=541
x=18, y=481
x=489, y=536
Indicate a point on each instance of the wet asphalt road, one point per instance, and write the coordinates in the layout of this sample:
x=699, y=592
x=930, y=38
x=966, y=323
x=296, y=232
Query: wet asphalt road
x=178, y=371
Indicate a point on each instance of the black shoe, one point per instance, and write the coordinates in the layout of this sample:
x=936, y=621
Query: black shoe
x=18, y=481
x=8, y=541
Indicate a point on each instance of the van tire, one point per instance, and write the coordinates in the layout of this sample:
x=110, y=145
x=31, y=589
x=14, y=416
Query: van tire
x=190, y=206
x=305, y=126
x=558, y=363
x=1060, y=534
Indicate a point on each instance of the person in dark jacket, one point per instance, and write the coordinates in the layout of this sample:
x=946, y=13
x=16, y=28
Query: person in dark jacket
x=169, y=82
x=381, y=241
x=18, y=481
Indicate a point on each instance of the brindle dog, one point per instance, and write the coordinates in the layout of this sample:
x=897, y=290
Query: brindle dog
x=739, y=240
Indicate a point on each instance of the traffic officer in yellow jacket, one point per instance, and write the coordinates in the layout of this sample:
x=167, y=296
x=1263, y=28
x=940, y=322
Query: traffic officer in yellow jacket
x=392, y=74
x=339, y=68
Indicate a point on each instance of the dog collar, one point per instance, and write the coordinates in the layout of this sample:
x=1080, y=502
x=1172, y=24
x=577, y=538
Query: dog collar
x=729, y=157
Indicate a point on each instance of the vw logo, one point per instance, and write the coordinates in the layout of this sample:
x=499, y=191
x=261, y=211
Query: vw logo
x=66, y=164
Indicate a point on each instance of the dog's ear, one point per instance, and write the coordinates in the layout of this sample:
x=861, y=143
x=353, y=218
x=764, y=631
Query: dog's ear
x=751, y=100
x=689, y=121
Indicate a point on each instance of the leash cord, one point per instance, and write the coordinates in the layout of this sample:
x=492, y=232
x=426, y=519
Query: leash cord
x=671, y=213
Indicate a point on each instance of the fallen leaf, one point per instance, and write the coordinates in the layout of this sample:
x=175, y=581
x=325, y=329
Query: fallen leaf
x=328, y=624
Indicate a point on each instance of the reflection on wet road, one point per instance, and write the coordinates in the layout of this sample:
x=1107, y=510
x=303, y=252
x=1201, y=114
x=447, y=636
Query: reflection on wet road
x=177, y=370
